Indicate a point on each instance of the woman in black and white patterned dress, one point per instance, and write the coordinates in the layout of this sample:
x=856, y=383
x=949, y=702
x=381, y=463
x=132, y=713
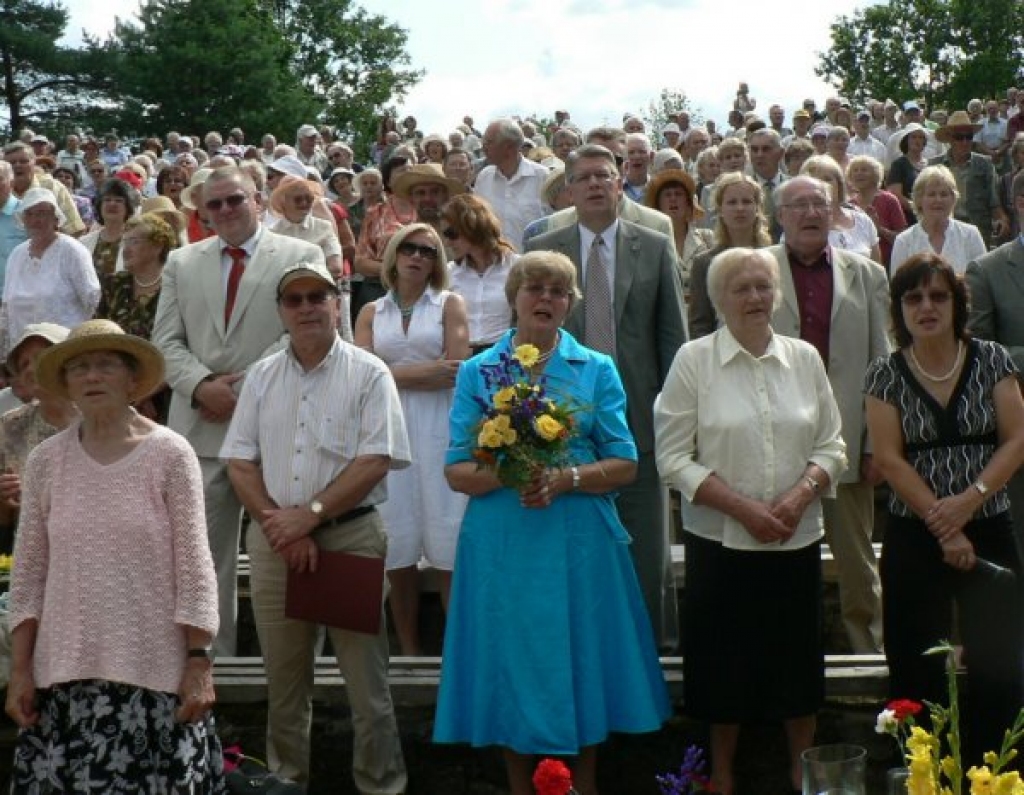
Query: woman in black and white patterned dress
x=946, y=421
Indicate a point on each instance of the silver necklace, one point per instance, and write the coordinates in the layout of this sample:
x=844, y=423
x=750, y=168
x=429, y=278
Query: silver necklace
x=938, y=379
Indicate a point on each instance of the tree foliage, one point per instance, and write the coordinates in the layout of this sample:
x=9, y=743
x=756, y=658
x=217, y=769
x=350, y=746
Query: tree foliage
x=946, y=51
x=43, y=83
x=668, y=104
x=354, y=63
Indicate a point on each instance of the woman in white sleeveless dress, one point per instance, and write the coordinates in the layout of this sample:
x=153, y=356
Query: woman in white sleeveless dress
x=421, y=332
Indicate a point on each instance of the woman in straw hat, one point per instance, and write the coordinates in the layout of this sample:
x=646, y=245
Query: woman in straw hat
x=113, y=597
x=674, y=193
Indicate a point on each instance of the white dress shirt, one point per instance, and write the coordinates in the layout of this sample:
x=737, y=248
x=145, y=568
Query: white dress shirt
x=515, y=201
x=754, y=422
x=869, y=146
x=304, y=428
x=486, y=303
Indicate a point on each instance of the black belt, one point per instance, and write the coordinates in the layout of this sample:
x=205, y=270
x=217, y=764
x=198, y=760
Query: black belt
x=485, y=346
x=348, y=516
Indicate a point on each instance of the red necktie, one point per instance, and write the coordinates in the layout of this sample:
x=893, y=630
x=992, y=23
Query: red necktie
x=237, y=269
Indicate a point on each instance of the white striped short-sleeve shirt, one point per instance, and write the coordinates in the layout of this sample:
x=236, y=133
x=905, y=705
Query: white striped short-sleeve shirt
x=304, y=428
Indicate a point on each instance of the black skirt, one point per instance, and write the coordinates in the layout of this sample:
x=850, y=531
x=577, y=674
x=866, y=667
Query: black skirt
x=101, y=737
x=752, y=638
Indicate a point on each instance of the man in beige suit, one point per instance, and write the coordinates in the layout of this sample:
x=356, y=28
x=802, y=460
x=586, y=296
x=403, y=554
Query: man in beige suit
x=217, y=315
x=839, y=302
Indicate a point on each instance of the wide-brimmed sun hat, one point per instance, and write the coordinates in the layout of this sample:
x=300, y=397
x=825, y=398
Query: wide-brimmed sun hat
x=958, y=120
x=673, y=176
x=425, y=174
x=188, y=195
x=164, y=207
x=101, y=335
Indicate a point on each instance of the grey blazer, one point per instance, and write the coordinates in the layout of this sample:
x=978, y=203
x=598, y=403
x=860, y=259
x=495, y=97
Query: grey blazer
x=996, y=284
x=650, y=323
x=189, y=326
x=858, y=335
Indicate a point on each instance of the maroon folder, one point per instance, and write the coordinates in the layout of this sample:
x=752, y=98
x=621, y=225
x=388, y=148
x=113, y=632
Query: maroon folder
x=345, y=591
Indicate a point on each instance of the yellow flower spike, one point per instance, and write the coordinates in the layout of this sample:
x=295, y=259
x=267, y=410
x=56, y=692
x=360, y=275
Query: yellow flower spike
x=503, y=398
x=990, y=758
x=526, y=355
x=981, y=780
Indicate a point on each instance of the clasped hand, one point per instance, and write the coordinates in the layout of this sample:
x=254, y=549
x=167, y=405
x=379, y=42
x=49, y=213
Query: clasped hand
x=217, y=398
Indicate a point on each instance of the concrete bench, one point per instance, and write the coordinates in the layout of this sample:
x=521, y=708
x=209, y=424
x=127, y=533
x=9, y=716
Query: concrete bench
x=414, y=680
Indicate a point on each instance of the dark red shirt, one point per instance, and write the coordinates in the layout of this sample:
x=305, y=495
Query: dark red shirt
x=813, y=285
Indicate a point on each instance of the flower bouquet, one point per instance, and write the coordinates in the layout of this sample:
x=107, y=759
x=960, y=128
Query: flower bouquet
x=523, y=430
x=931, y=773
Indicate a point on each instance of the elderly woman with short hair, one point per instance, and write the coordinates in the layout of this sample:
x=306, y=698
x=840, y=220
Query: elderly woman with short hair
x=747, y=429
x=935, y=196
x=864, y=175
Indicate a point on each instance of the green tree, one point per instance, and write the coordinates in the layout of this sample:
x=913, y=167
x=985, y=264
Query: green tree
x=44, y=84
x=668, y=104
x=942, y=50
x=200, y=65
x=355, y=63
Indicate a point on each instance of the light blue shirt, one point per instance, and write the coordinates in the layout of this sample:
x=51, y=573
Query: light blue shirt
x=11, y=234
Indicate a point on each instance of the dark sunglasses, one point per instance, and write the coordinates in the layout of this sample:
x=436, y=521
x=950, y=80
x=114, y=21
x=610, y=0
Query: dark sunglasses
x=233, y=201
x=411, y=249
x=935, y=297
x=450, y=234
x=295, y=300
x=962, y=136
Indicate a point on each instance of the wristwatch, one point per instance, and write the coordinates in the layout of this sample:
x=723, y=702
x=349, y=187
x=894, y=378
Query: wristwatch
x=815, y=485
x=318, y=509
x=979, y=484
x=201, y=652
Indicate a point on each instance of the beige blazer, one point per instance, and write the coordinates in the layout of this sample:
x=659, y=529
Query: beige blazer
x=858, y=336
x=189, y=327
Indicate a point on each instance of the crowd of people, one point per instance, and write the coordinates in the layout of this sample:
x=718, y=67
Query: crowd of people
x=771, y=319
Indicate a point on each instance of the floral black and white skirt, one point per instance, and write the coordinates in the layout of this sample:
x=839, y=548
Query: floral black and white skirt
x=96, y=736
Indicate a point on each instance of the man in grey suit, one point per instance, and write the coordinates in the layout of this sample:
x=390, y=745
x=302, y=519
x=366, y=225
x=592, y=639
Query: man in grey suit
x=839, y=302
x=642, y=330
x=996, y=286
x=217, y=315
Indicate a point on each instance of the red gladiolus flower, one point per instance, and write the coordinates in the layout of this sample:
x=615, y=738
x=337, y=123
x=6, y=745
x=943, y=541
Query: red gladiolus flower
x=904, y=708
x=552, y=778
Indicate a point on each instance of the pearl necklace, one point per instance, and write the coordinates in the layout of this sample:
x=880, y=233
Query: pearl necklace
x=938, y=379
x=542, y=358
x=147, y=285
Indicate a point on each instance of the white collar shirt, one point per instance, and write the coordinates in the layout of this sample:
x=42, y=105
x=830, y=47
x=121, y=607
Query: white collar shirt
x=305, y=427
x=225, y=259
x=515, y=201
x=486, y=304
x=753, y=422
x=608, y=237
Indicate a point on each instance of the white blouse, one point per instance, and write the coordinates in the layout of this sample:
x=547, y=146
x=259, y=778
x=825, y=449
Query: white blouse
x=60, y=287
x=754, y=422
x=487, y=307
x=963, y=244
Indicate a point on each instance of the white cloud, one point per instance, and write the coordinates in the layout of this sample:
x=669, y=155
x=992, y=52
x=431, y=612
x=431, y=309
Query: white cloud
x=598, y=58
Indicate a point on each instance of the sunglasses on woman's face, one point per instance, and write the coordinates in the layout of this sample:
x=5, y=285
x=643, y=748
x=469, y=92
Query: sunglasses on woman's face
x=412, y=249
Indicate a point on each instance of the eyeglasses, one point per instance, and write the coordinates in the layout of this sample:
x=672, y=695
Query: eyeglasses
x=554, y=292
x=962, y=136
x=450, y=233
x=105, y=366
x=412, y=249
x=234, y=201
x=295, y=300
x=935, y=297
x=805, y=207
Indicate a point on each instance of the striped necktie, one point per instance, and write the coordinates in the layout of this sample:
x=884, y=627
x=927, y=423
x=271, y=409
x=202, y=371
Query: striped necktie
x=598, y=312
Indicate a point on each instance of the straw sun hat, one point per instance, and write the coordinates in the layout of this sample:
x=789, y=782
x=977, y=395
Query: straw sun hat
x=101, y=335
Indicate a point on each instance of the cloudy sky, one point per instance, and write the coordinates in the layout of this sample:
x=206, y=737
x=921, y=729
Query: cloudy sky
x=598, y=58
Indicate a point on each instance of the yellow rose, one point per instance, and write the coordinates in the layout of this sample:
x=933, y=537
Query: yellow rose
x=548, y=427
x=503, y=398
x=526, y=355
x=503, y=426
x=490, y=434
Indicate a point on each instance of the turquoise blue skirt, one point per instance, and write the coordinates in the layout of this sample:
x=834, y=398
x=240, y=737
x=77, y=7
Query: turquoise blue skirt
x=548, y=646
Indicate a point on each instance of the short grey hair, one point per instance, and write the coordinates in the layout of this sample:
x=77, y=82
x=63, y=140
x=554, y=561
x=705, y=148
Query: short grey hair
x=725, y=265
x=589, y=152
x=766, y=132
x=781, y=194
x=638, y=137
x=928, y=175
x=509, y=131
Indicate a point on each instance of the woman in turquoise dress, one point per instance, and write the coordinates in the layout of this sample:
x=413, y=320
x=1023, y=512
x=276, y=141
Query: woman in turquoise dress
x=548, y=646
